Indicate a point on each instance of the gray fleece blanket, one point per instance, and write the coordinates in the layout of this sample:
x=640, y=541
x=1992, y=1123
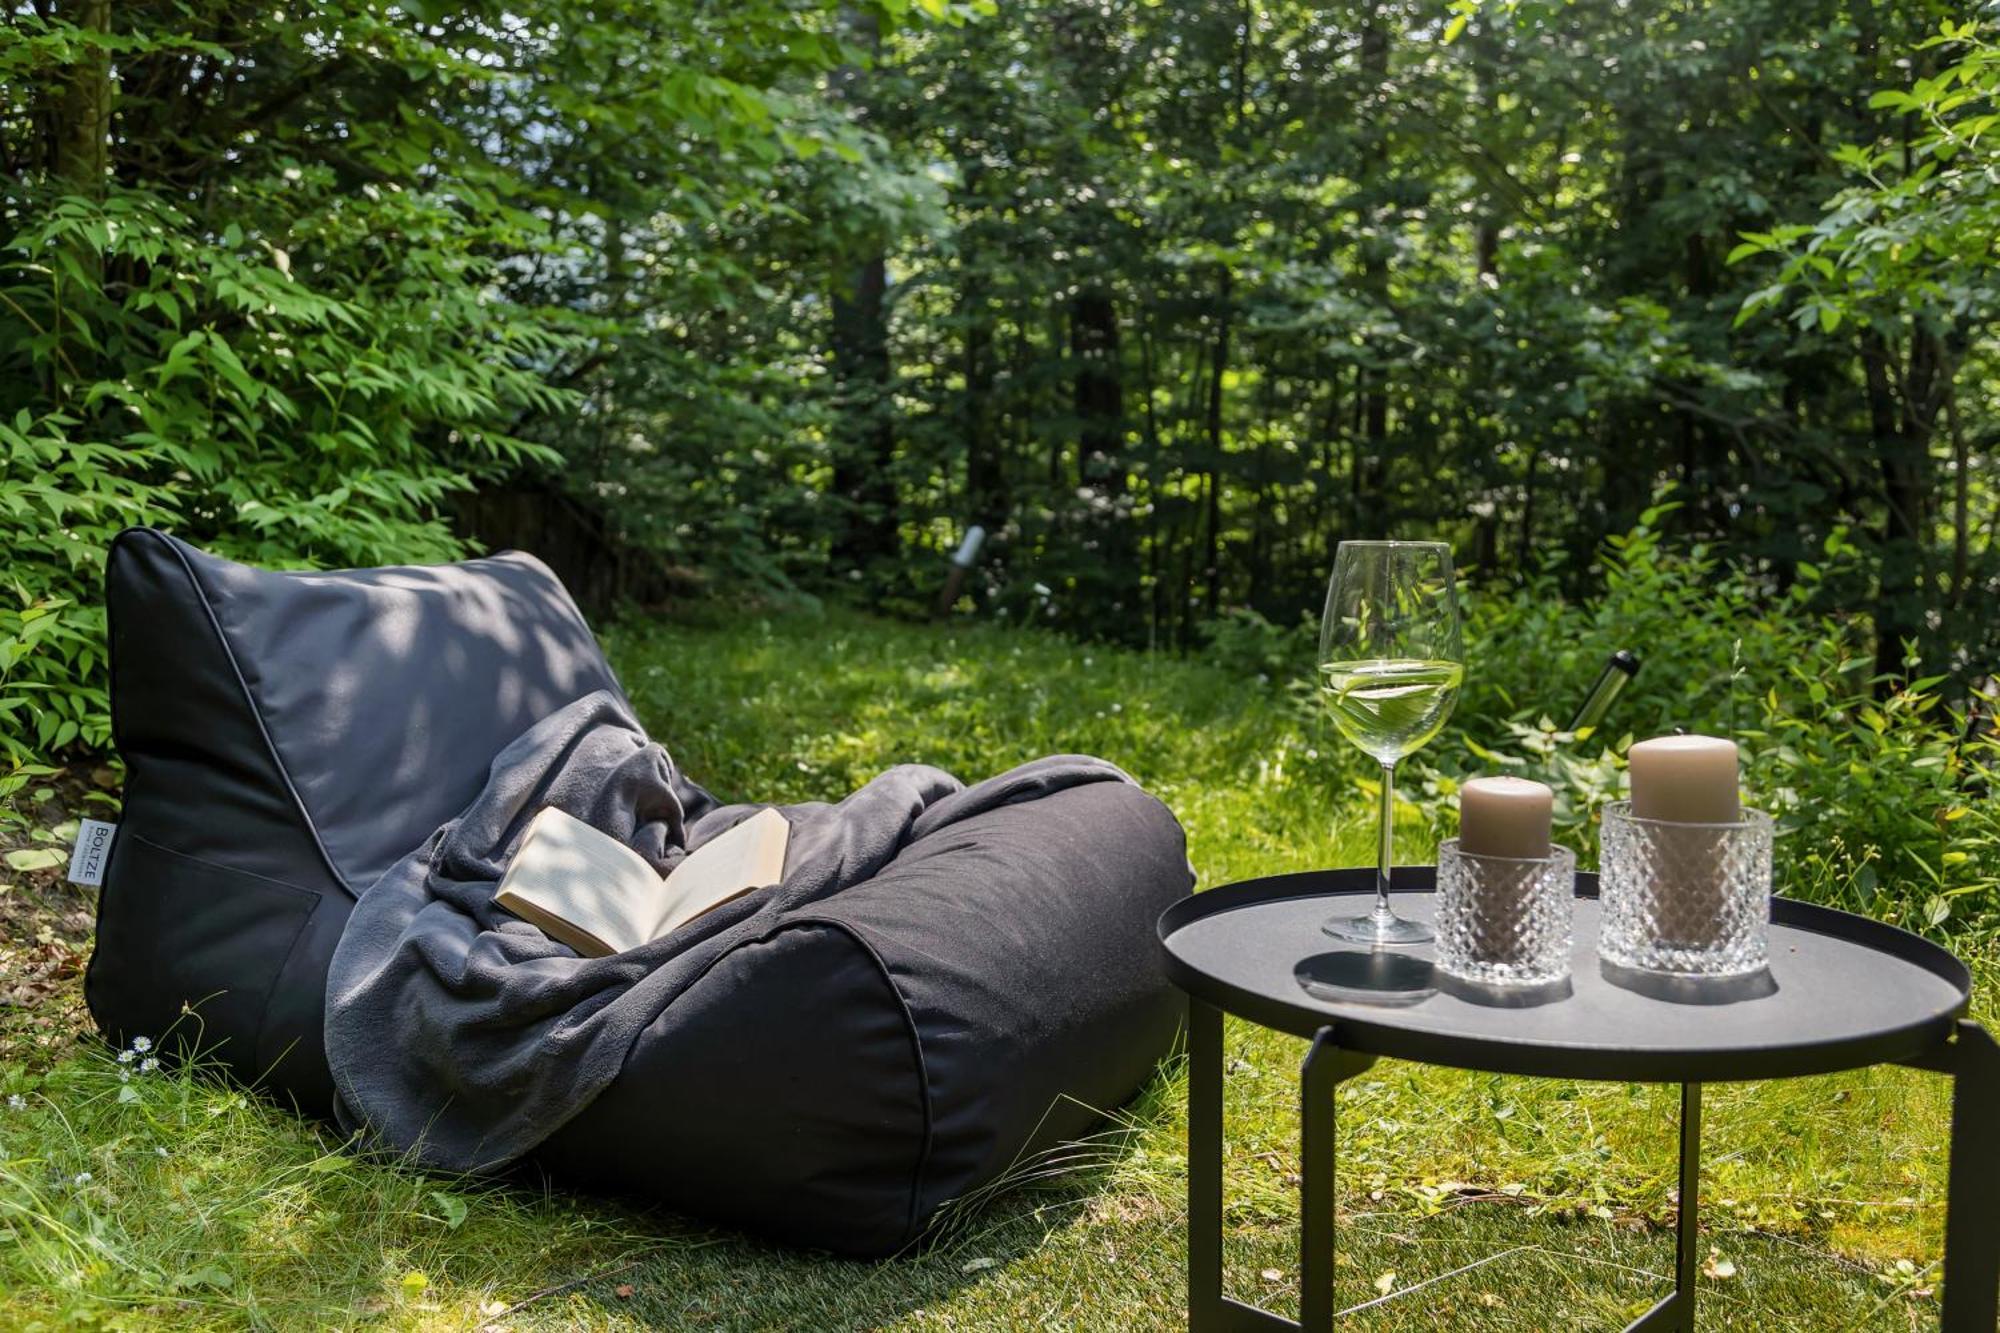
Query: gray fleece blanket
x=463, y=1036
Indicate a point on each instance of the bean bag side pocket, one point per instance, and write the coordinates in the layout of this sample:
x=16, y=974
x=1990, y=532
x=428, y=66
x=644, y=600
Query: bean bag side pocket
x=177, y=928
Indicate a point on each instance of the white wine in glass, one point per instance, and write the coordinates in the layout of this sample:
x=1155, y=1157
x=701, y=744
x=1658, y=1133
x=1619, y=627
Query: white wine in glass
x=1390, y=667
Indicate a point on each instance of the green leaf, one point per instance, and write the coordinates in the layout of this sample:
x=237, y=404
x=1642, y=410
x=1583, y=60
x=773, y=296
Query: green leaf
x=452, y=1207
x=34, y=858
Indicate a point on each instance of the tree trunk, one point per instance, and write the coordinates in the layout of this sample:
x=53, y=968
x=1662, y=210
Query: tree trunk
x=1485, y=52
x=1524, y=557
x=862, y=476
x=1902, y=432
x=1150, y=464
x=1099, y=392
x=1219, y=367
x=1108, y=574
x=1372, y=467
x=79, y=139
x=82, y=128
x=865, y=441
x=1961, y=500
x=986, y=500
x=1262, y=522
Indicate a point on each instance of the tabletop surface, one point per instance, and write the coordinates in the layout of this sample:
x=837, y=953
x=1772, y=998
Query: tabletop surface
x=1841, y=991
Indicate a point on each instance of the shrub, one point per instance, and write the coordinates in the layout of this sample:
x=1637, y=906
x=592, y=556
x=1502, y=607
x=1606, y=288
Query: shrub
x=1875, y=793
x=1879, y=801
x=302, y=389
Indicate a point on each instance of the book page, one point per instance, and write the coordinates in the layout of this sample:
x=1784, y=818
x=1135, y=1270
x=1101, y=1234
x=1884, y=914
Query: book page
x=583, y=887
x=749, y=856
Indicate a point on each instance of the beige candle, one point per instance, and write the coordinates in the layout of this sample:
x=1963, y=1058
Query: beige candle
x=1504, y=817
x=1684, y=780
x=1687, y=780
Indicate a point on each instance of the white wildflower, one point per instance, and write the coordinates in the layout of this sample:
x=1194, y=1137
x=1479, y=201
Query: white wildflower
x=142, y=1044
x=127, y=1057
x=148, y=1065
x=160, y=1152
x=124, y=1076
x=16, y=1102
x=82, y=1179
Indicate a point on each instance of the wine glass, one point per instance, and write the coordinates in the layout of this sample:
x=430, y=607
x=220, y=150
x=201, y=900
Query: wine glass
x=1390, y=666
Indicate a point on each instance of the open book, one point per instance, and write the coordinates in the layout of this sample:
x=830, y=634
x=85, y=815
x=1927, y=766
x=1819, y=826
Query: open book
x=600, y=897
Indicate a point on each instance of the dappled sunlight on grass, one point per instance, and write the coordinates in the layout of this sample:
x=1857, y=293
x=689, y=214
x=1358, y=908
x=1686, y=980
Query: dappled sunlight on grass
x=1533, y=1204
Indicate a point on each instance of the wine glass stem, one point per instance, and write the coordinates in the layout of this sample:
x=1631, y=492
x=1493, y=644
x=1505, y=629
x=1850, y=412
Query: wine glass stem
x=1385, y=847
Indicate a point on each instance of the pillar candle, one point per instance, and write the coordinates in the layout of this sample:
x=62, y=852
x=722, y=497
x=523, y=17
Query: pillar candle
x=1684, y=780
x=1504, y=817
x=1687, y=780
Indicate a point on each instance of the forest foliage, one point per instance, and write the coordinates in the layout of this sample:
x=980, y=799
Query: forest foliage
x=1168, y=297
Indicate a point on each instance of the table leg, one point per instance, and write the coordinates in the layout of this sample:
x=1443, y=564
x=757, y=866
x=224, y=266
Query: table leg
x=1326, y=1067
x=1204, y=1157
x=1675, y=1312
x=1316, y=1084
x=1687, y=1221
x=1972, y=1199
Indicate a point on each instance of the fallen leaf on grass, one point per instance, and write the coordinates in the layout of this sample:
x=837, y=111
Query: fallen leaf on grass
x=1386, y=1283
x=1718, y=1267
x=978, y=1265
x=1272, y=1275
x=623, y=1291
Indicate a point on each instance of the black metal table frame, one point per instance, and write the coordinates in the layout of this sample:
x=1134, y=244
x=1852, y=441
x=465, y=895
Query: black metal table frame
x=1972, y=1210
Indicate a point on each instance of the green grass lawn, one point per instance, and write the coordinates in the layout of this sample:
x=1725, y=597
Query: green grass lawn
x=171, y=1201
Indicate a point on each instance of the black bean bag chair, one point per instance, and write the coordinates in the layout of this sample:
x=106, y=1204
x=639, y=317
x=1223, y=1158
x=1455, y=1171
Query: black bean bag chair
x=289, y=737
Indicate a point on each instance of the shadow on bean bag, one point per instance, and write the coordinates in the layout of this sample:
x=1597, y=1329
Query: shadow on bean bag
x=288, y=737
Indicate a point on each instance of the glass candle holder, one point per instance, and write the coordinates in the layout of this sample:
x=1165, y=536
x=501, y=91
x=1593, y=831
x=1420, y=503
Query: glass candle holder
x=1687, y=899
x=1504, y=921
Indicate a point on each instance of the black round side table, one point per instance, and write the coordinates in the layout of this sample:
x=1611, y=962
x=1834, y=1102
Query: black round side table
x=1842, y=992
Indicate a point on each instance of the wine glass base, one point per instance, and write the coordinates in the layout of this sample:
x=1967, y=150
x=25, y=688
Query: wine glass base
x=1373, y=929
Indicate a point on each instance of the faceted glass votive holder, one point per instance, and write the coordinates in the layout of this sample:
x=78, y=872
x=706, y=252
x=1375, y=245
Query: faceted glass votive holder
x=1504, y=921
x=1691, y=900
